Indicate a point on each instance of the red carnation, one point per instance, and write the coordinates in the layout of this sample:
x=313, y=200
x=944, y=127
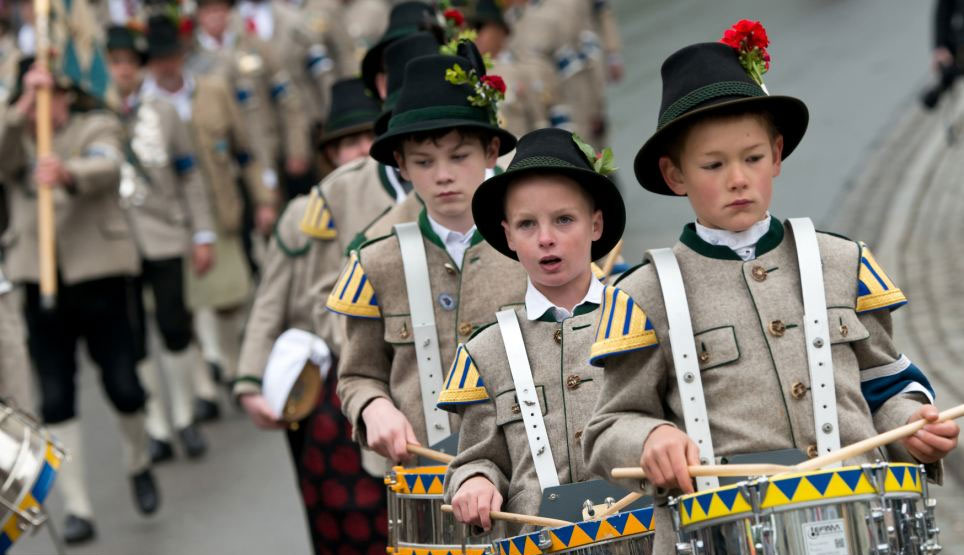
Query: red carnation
x=495, y=82
x=746, y=34
x=455, y=16
x=186, y=27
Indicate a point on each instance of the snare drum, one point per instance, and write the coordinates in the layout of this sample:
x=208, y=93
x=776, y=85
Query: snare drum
x=856, y=510
x=629, y=533
x=416, y=523
x=29, y=460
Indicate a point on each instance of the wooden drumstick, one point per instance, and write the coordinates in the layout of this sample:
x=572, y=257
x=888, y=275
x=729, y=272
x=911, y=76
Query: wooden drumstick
x=520, y=519
x=626, y=501
x=431, y=454
x=711, y=470
x=871, y=443
x=611, y=260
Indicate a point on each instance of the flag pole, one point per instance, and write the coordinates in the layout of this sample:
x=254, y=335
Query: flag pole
x=47, y=257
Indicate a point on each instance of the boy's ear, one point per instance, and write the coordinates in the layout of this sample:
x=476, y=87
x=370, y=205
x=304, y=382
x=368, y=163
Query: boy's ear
x=508, y=236
x=492, y=152
x=597, y=225
x=400, y=160
x=672, y=175
x=777, y=155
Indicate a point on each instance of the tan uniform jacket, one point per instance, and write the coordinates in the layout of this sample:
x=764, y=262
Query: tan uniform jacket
x=747, y=321
x=302, y=54
x=16, y=380
x=93, y=237
x=272, y=106
x=282, y=301
x=529, y=97
x=378, y=357
x=492, y=438
x=327, y=19
x=366, y=21
x=344, y=205
x=161, y=184
x=225, y=152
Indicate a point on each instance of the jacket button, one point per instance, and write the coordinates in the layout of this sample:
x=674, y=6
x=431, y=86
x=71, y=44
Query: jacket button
x=812, y=451
x=516, y=409
x=573, y=381
x=557, y=335
x=465, y=328
x=844, y=330
x=777, y=328
x=759, y=273
x=704, y=356
x=578, y=436
x=404, y=333
x=450, y=268
x=798, y=390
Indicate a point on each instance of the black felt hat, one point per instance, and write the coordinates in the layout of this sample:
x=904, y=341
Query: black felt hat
x=162, y=37
x=397, y=55
x=125, y=38
x=353, y=110
x=704, y=78
x=404, y=19
x=429, y=102
x=485, y=12
x=550, y=150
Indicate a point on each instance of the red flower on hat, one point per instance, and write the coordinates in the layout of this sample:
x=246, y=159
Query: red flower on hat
x=186, y=27
x=750, y=40
x=495, y=82
x=455, y=16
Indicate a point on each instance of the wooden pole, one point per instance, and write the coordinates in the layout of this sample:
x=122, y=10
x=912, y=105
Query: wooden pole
x=46, y=231
x=611, y=260
x=540, y=521
x=877, y=441
x=431, y=454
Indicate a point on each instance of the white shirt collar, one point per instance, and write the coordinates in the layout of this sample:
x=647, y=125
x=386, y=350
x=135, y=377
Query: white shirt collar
x=212, y=44
x=181, y=99
x=455, y=243
x=743, y=243
x=537, y=304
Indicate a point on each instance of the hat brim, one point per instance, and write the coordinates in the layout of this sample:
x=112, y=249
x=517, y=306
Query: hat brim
x=790, y=116
x=383, y=149
x=488, y=206
x=371, y=64
x=344, y=132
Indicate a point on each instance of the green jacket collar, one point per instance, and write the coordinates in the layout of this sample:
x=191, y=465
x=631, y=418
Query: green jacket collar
x=584, y=308
x=429, y=233
x=769, y=241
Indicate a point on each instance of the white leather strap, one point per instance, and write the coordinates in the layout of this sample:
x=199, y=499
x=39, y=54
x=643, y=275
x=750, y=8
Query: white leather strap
x=817, y=332
x=528, y=399
x=424, y=331
x=685, y=361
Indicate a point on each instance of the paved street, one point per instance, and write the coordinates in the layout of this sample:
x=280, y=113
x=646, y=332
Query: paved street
x=873, y=167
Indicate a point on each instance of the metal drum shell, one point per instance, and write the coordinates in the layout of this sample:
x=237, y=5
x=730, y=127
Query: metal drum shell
x=25, y=484
x=416, y=522
x=627, y=533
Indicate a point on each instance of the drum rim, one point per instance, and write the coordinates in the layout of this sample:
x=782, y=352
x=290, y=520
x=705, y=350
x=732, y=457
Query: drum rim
x=503, y=544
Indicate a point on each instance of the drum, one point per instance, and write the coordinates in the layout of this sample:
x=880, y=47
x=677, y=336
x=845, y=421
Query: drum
x=416, y=522
x=857, y=510
x=629, y=533
x=29, y=460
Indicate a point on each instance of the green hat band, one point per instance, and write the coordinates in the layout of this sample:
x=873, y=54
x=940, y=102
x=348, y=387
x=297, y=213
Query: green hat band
x=439, y=112
x=708, y=92
x=352, y=118
x=542, y=162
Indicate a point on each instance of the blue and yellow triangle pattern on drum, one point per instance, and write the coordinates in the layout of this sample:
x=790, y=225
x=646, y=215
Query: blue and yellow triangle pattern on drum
x=421, y=480
x=437, y=550
x=795, y=489
x=32, y=499
x=581, y=534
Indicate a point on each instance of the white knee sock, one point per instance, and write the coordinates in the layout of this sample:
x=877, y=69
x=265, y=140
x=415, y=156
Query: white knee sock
x=134, y=440
x=157, y=424
x=180, y=369
x=71, y=479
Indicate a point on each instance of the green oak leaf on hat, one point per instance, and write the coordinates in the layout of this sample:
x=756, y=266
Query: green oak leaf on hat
x=442, y=92
x=397, y=55
x=716, y=78
x=553, y=151
x=404, y=19
x=353, y=110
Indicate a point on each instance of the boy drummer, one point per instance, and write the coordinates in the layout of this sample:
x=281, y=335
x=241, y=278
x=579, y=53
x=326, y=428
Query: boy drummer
x=555, y=213
x=442, y=136
x=770, y=378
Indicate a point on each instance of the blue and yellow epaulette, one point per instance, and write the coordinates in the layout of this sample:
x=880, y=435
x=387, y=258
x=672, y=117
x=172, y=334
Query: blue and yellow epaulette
x=874, y=289
x=317, y=221
x=353, y=295
x=464, y=385
x=597, y=271
x=623, y=327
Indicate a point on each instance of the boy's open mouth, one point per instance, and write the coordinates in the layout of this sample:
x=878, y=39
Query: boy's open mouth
x=549, y=261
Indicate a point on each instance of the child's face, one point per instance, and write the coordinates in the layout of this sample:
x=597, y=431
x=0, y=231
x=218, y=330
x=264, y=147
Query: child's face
x=351, y=147
x=125, y=70
x=550, y=224
x=726, y=169
x=446, y=172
